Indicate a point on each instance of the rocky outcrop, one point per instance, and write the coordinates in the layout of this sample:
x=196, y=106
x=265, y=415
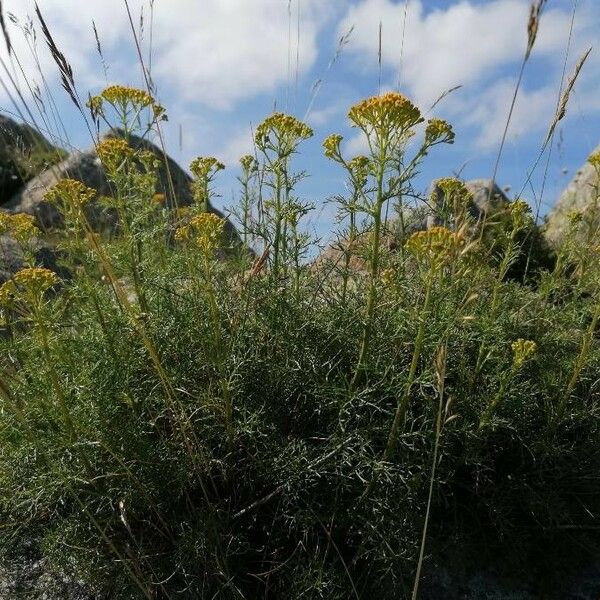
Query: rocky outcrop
x=11, y=258
x=487, y=199
x=580, y=193
x=86, y=167
x=24, y=152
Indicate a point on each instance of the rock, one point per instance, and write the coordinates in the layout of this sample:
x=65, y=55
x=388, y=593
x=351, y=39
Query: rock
x=580, y=193
x=488, y=199
x=86, y=167
x=11, y=258
x=24, y=152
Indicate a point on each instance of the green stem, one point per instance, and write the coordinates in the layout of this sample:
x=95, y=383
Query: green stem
x=375, y=251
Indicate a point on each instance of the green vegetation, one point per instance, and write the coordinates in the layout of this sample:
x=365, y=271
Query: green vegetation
x=174, y=424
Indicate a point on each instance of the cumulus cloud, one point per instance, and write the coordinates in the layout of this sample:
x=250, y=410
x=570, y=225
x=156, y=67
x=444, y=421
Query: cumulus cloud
x=470, y=44
x=215, y=52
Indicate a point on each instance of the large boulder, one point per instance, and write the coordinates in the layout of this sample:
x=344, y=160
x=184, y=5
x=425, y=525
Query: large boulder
x=87, y=168
x=11, y=258
x=24, y=152
x=487, y=199
x=579, y=194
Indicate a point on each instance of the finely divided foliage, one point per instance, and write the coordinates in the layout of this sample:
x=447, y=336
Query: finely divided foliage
x=185, y=417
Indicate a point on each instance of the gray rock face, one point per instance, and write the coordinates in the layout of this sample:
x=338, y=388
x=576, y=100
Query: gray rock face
x=86, y=167
x=24, y=152
x=11, y=258
x=488, y=198
x=581, y=192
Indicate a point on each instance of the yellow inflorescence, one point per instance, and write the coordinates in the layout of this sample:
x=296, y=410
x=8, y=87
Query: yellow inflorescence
x=594, y=159
x=438, y=131
x=204, y=231
x=522, y=351
x=158, y=198
x=28, y=285
x=575, y=218
x=286, y=128
x=386, y=113
x=455, y=192
x=71, y=192
x=7, y=293
x=113, y=151
x=248, y=163
x=436, y=245
x=121, y=94
x=21, y=226
x=521, y=214
x=205, y=166
x=331, y=145
x=453, y=187
x=359, y=167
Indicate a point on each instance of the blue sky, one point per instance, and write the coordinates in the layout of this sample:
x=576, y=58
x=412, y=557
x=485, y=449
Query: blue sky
x=220, y=66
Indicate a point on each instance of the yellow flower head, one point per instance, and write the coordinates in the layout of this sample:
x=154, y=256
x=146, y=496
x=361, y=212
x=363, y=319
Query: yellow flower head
x=7, y=293
x=204, y=167
x=438, y=131
x=331, y=144
x=28, y=286
x=158, y=199
x=36, y=278
x=359, y=167
x=121, y=94
x=388, y=277
x=248, y=163
x=21, y=226
x=282, y=132
x=70, y=193
x=391, y=112
x=436, y=246
x=594, y=159
x=522, y=351
x=454, y=190
x=575, y=217
x=521, y=214
x=204, y=231
x=113, y=152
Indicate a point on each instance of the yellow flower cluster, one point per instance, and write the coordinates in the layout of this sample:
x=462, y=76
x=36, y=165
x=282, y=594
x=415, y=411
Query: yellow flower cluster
x=438, y=131
x=522, y=351
x=436, y=245
x=287, y=130
x=123, y=96
x=20, y=226
x=204, y=167
x=454, y=190
x=28, y=285
x=575, y=217
x=520, y=213
x=387, y=113
x=204, y=231
x=71, y=193
x=120, y=94
x=112, y=152
x=359, y=168
x=331, y=144
x=158, y=198
x=594, y=159
x=248, y=163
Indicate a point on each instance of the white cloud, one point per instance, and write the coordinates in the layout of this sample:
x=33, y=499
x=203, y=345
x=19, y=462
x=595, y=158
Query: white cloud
x=533, y=112
x=236, y=147
x=470, y=44
x=443, y=48
x=215, y=52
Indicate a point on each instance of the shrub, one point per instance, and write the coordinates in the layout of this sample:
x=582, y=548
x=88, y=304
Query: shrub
x=174, y=424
